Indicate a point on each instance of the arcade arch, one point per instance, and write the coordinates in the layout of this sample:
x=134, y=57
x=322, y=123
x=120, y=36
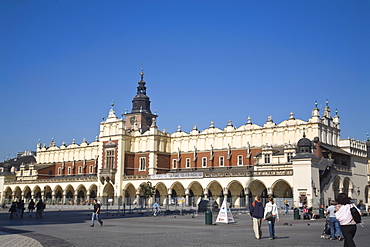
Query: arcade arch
x=81, y=194
x=58, y=194
x=130, y=193
x=215, y=192
x=336, y=186
x=69, y=192
x=347, y=186
x=27, y=193
x=257, y=188
x=92, y=192
x=108, y=193
x=47, y=194
x=178, y=191
x=8, y=195
x=37, y=193
x=161, y=193
x=282, y=192
x=17, y=193
x=195, y=194
x=236, y=196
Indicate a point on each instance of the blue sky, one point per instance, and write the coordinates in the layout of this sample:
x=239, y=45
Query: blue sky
x=62, y=64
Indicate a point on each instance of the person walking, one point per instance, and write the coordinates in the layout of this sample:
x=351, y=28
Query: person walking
x=346, y=221
x=271, y=209
x=20, y=206
x=286, y=207
x=31, y=207
x=257, y=213
x=40, y=206
x=13, y=210
x=334, y=224
x=95, y=214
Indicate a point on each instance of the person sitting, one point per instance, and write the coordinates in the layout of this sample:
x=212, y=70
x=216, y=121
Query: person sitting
x=307, y=212
x=310, y=211
x=155, y=208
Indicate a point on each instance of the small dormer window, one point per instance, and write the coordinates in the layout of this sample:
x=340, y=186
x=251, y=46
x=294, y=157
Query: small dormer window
x=267, y=158
x=289, y=157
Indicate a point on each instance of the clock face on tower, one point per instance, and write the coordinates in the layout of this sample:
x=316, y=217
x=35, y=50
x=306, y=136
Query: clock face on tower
x=132, y=120
x=148, y=121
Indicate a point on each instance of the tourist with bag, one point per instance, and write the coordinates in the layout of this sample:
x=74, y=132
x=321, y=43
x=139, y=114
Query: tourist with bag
x=271, y=215
x=347, y=219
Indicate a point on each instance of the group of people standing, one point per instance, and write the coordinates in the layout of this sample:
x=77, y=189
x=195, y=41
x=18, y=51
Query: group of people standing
x=341, y=221
x=260, y=213
x=17, y=209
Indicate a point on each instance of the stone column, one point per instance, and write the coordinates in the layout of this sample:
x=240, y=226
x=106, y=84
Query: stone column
x=53, y=197
x=246, y=193
x=64, y=198
x=226, y=193
x=138, y=197
x=269, y=192
x=75, y=197
x=88, y=197
x=205, y=193
x=169, y=196
x=187, y=197
x=123, y=197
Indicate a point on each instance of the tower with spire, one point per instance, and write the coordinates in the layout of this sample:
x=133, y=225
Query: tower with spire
x=140, y=117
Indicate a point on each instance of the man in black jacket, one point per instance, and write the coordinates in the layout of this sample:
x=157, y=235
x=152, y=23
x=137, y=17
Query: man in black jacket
x=96, y=214
x=257, y=212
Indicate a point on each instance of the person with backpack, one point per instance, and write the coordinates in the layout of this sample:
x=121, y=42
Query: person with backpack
x=346, y=219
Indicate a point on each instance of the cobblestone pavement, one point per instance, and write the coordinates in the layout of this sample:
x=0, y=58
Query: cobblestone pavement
x=70, y=227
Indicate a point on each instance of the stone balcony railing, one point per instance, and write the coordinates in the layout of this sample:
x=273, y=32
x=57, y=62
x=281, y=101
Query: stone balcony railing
x=340, y=168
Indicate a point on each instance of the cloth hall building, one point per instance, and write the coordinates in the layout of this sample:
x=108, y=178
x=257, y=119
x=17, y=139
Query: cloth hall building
x=295, y=160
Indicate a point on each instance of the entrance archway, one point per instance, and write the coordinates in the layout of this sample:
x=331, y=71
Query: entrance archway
x=108, y=194
x=195, y=193
x=236, y=196
x=282, y=193
x=257, y=188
